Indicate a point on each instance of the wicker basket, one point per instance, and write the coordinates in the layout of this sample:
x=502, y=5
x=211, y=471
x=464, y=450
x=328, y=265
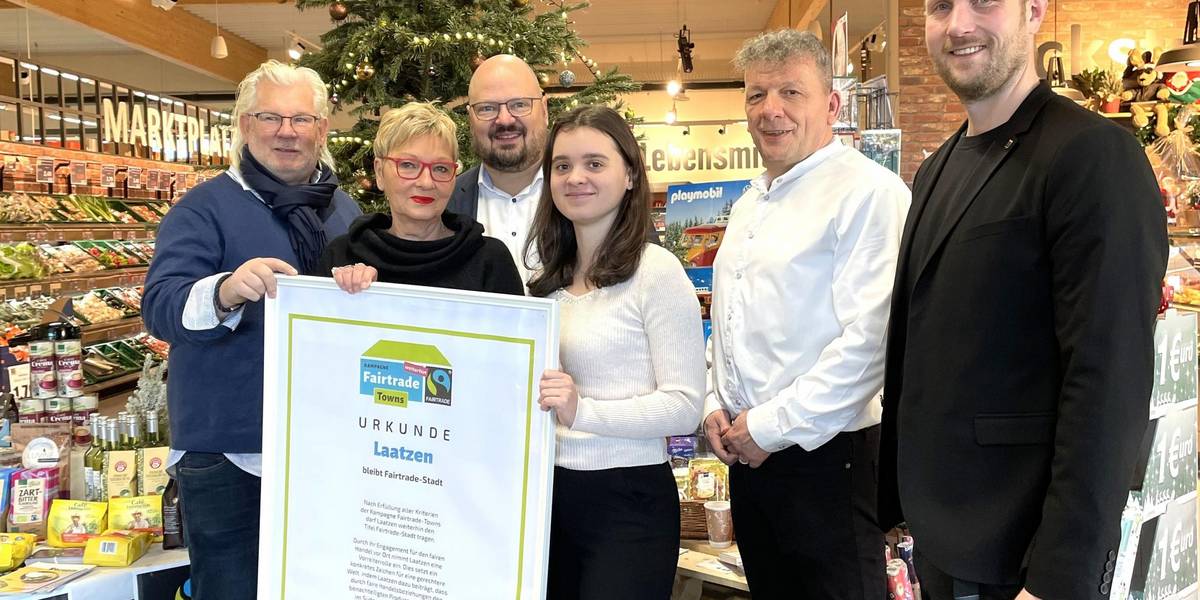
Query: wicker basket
x=693, y=525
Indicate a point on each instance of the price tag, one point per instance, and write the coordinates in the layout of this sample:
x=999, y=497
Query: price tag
x=1175, y=364
x=35, y=289
x=54, y=287
x=154, y=181
x=78, y=172
x=20, y=292
x=18, y=380
x=133, y=178
x=45, y=170
x=108, y=176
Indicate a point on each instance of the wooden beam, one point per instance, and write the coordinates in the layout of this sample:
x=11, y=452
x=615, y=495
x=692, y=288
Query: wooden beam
x=5, y=4
x=794, y=14
x=177, y=36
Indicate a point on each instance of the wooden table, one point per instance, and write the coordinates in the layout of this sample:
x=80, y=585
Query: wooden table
x=698, y=560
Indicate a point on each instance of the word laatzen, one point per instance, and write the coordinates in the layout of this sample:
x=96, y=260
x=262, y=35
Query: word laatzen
x=432, y=432
x=403, y=453
x=401, y=476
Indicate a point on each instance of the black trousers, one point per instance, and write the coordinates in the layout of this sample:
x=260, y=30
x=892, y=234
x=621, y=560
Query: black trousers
x=937, y=585
x=805, y=522
x=614, y=533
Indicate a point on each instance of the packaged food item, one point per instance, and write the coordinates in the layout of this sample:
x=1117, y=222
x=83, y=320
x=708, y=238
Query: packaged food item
x=152, y=470
x=172, y=510
x=26, y=540
x=116, y=548
x=5, y=483
x=12, y=554
x=83, y=407
x=120, y=473
x=708, y=479
x=58, y=410
x=31, y=410
x=30, y=504
x=68, y=359
x=681, y=449
x=72, y=522
x=46, y=445
x=141, y=514
x=42, y=379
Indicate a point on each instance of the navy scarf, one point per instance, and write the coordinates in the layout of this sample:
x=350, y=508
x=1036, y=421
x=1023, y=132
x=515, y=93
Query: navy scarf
x=303, y=207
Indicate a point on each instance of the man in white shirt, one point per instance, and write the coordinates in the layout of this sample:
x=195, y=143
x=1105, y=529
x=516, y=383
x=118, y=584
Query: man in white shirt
x=801, y=293
x=509, y=125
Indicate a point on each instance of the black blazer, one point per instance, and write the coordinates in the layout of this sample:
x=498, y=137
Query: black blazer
x=1020, y=355
x=465, y=201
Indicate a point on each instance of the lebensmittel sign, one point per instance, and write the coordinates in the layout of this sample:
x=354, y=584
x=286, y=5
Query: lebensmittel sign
x=1174, y=363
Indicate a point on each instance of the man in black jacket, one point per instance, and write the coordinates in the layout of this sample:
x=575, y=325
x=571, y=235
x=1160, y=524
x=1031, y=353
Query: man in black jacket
x=509, y=126
x=1020, y=349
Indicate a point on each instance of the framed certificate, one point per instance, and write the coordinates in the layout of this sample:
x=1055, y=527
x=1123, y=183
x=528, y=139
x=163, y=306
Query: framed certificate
x=404, y=452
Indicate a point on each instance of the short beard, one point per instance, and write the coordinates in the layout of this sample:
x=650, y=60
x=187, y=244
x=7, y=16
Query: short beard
x=988, y=83
x=512, y=161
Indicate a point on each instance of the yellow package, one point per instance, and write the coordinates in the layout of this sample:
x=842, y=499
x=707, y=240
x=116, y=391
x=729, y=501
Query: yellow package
x=708, y=479
x=12, y=554
x=140, y=513
x=28, y=540
x=152, y=470
x=116, y=548
x=72, y=522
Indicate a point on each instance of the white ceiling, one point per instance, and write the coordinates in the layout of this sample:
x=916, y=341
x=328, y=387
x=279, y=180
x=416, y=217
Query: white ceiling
x=633, y=33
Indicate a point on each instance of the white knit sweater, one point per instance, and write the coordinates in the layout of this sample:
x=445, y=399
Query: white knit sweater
x=636, y=353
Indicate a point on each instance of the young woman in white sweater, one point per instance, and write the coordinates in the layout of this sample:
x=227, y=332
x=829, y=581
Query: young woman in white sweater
x=632, y=356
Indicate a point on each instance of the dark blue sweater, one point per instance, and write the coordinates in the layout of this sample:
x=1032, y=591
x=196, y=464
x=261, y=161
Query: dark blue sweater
x=215, y=390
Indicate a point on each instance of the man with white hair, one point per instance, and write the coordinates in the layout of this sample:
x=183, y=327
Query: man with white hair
x=219, y=250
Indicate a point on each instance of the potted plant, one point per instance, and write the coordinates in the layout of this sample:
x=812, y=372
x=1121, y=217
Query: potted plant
x=1102, y=88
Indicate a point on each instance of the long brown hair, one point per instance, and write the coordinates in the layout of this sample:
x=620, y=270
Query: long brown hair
x=552, y=233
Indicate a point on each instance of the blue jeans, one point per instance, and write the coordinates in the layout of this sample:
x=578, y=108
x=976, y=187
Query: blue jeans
x=220, y=519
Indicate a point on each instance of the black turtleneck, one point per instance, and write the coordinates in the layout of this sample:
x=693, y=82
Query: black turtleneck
x=466, y=260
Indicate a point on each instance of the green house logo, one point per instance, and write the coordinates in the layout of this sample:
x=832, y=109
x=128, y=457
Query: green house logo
x=398, y=373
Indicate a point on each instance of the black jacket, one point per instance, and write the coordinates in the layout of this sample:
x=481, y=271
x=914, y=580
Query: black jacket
x=467, y=260
x=1020, y=355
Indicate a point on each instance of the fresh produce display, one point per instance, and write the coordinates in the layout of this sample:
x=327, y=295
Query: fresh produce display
x=22, y=261
x=72, y=257
x=110, y=253
x=95, y=308
x=113, y=359
x=26, y=208
x=21, y=207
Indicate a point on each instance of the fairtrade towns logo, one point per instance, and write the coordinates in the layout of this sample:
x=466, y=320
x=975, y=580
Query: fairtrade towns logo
x=397, y=373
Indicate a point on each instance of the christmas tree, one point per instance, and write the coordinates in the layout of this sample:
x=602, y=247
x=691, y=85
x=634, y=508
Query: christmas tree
x=384, y=53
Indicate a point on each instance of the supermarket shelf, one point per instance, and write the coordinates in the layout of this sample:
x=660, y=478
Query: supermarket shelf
x=74, y=283
x=112, y=330
x=107, y=385
x=70, y=232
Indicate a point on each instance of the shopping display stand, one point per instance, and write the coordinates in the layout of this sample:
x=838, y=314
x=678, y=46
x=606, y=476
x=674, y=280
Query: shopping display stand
x=1158, y=552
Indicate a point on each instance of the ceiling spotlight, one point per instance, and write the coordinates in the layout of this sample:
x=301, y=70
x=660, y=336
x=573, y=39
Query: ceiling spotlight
x=671, y=116
x=685, y=44
x=674, y=87
x=296, y=50
x=721, y=130
x=687, y=130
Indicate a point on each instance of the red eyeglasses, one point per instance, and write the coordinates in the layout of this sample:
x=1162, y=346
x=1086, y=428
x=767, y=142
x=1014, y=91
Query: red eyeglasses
x=410, y=168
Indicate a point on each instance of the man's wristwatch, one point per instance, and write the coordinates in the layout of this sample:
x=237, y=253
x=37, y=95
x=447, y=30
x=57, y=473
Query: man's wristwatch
x=222, y=309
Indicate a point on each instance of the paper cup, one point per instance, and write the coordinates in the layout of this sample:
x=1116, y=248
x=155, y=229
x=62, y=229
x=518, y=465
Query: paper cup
x=719, y=522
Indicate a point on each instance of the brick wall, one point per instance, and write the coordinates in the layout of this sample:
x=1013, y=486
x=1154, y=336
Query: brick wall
x=19, y=174
x=928, y=112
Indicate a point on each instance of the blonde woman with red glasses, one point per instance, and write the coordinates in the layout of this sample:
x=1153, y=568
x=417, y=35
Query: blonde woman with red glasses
x=418, y=242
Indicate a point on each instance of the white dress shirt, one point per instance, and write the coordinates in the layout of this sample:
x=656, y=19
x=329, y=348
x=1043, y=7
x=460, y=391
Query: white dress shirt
x=802, y=288
x=508, y=218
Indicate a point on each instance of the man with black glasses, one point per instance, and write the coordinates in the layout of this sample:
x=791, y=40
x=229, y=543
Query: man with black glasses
x=509, y=124
x=219, y=250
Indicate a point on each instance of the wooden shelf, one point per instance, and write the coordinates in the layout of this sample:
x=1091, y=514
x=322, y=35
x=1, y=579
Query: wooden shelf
x=112, y=384
x=72, y=232
x=112, y=330
x=73, y=283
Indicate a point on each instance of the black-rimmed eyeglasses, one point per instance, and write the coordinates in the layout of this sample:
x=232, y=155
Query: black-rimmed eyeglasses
x=517, y=107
